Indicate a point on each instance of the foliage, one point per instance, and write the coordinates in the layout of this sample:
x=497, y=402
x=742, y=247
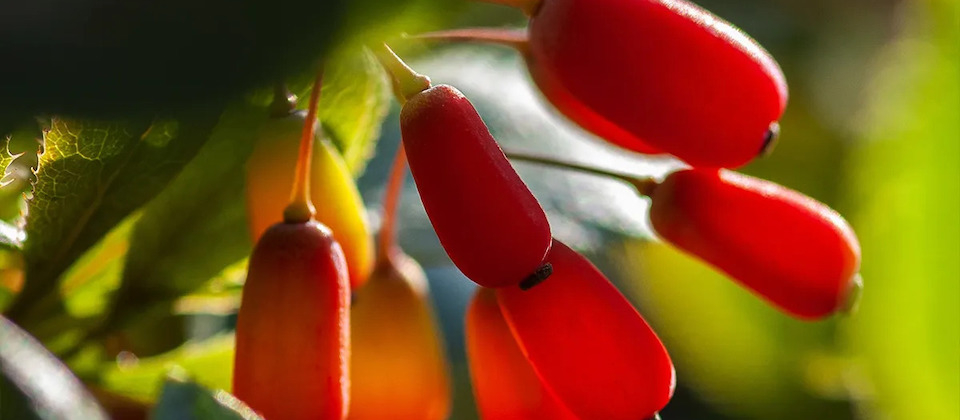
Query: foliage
x=125, y=250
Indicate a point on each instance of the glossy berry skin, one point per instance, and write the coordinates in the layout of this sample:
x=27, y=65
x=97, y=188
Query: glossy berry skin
x=487, y=220
x=334, y=193
x=661, y=75
x=398, y=363
x=293, y=329
x=588, y=343
x=505, y=386
x=789, y=249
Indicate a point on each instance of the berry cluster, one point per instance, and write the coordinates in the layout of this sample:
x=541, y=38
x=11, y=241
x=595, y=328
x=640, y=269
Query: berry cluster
x=548, y=335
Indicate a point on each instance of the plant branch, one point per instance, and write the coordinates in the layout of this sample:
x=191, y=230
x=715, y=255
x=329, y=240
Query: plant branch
x=644, y=185
x=391, y=200
x=508, y=37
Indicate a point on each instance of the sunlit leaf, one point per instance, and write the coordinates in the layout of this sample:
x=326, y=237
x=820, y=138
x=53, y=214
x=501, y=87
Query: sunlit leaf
x=190, y=401
x=354, y=100
x=195, y=227
x=209, y=363
x=92, y=175
x=87, y=284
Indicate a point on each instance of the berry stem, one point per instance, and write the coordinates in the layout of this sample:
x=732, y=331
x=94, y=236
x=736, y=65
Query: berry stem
x=301, y=209
x=391, y=200
x=406, y=81
x=513, y=38
x=644, y=184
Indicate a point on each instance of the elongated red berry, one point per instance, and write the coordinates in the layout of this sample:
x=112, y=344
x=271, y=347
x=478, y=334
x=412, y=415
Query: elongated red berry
x=505, y=387
x=398, y=364
x=588, y=343
x=487, y=220
x=670, y=75
x=293, y=329
x=788, y=248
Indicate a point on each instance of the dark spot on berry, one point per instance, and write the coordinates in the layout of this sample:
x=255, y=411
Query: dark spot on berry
x=770, y=139
x=537, y=277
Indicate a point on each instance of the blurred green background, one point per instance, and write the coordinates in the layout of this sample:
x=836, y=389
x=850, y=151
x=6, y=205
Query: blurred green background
x=871, y=129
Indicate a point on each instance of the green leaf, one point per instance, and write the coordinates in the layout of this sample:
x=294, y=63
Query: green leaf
x=203, y=213
x=209, y=363
x=86, y=286
x=90, y=177
x=189, y=401
x=194, y=228
x=11, y=237
x=18, y=159
x=907, y=187
x=53, y=391
x=354, y=101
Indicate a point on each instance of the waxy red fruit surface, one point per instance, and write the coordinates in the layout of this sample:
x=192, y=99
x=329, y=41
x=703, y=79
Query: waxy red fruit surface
x=505, y=387
x=293, y=329
x=588, y=343
x=788, y=248
x=657, y=75
x=487, y=220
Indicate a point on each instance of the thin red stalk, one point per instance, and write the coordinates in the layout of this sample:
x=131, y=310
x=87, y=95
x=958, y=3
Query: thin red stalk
x=644, y=185
x=529, y=7
x=508, y=37
x=391, y=200
x=301, y=209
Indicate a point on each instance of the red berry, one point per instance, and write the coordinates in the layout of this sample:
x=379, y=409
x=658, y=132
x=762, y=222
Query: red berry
x=504, y=384
x=293, y=329
x=786, y=247
x=487, y=220
x=657, y=75
x=588, y=343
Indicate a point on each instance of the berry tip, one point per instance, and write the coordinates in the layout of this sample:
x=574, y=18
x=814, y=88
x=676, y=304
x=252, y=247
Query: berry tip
x=851, y=299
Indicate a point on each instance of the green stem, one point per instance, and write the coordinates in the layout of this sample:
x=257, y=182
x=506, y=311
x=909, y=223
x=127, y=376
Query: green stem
x=644, y=185
x=406, y=81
